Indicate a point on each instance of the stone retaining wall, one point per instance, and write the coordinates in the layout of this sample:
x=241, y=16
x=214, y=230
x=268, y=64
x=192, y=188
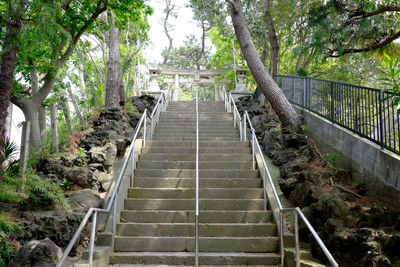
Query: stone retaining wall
x=378, y=168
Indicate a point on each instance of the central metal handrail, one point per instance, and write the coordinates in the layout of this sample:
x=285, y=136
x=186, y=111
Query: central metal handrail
x=244, y=121
x=111, y=205
x=197, y=181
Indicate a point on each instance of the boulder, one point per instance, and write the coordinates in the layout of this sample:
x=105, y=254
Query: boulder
x=50, y=166
x=144, y=102
x=37, y=253
x=57, y=225
x=81, y=176
x=82, y=200
x=294, y=140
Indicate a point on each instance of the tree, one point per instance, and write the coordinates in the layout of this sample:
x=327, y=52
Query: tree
x=272, y=92
x=345, y=27
x=114, y=65
x=169, y=12
x=12, y=19
x=191, y=55
x=51, y=34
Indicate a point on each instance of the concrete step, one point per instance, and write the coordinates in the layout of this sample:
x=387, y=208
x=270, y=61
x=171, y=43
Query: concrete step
x=209, y=193
x=193, y=138
x=159, y=143
x=205, y=230
x=192, y=150
x=209, y=157
x=145, y=164
x=189, y=204
x=206, y=244
x=203, y=124
x=193, y=134
x=187, y=216
x=192, y=129
x=191, y=173
x=187, y=258
x=203, y=183
x=213, y=116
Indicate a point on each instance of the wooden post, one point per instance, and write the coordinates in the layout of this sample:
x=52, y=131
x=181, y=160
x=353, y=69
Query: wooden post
x=53, y=117
x=24, y=152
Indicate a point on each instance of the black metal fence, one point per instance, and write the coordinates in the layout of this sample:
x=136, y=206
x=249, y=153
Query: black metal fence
x=365, y=111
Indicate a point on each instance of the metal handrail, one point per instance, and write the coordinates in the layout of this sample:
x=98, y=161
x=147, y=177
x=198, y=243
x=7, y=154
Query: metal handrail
x=111, y=205
x=197, y=181
x=296, y=210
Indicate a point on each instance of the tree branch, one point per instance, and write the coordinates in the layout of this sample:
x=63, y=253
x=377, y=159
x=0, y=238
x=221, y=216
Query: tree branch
x=358, y=13
x=365, y=49
x=232, y=3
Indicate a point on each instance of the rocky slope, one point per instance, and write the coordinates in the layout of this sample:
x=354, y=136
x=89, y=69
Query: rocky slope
x=358, y=230
x=87, y=173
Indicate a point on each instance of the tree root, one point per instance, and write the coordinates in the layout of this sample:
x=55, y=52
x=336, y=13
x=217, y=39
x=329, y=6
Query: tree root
x=344, y=189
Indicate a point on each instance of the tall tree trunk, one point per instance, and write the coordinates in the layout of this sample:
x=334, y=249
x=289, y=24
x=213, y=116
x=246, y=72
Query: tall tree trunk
x=8, y=62
x=168, y=11
x=113, y=73
x=273, y=40
x=272, y=92
x=77, y=109
x=67, y=115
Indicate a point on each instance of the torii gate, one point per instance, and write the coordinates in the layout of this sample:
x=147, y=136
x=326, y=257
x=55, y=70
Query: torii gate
x=198, y=76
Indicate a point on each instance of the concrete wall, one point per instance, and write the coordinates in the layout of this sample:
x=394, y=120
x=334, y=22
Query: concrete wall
x=378, y=168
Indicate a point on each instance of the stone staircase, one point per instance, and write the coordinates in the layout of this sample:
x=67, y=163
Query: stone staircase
x=157, y=223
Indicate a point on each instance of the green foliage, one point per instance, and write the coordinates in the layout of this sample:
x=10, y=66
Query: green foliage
x=82, y=158
x=333, y=158
x=43, y=193
x=7, y=250
x=389, y=71
x=11, y=149
x=130, y=108
x=66, y=184
x=39, y=192
x=302, y=129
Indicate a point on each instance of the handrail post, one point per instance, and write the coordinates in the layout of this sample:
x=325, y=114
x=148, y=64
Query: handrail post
x=296, y=231
x=253, y=151
x=281, y=237
x=197, y=183
x=332, y=102
x=240, y=128
x=114, y=216
x=132, y=164
x=244, y=128
x=382, y=138
x=144, y=128
x=92, y=236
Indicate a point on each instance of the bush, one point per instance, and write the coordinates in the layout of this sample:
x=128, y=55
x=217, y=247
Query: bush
x=43, y=193
x=7, y=250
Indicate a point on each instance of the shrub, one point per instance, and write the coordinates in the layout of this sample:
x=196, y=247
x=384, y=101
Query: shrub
x=43, y=193
x=7, y=250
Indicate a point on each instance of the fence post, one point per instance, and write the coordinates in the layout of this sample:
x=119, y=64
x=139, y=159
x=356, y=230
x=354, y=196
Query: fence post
x=380, y=121
x=294, y=91
x=24, y=152
x=305, y=92
x=53, y=116
x=332, y=102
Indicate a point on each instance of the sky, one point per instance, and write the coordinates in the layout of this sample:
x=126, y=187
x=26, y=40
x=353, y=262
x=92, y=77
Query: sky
x=183, y=26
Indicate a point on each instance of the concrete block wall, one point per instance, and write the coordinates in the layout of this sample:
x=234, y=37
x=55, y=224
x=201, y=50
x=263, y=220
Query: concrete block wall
x=378, y=168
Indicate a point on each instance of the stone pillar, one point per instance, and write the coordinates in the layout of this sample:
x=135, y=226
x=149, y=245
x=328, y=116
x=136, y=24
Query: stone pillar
x=176, y=88
x=217, y=96
x=9, y=120
x=153, y=86
x=241, y=89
